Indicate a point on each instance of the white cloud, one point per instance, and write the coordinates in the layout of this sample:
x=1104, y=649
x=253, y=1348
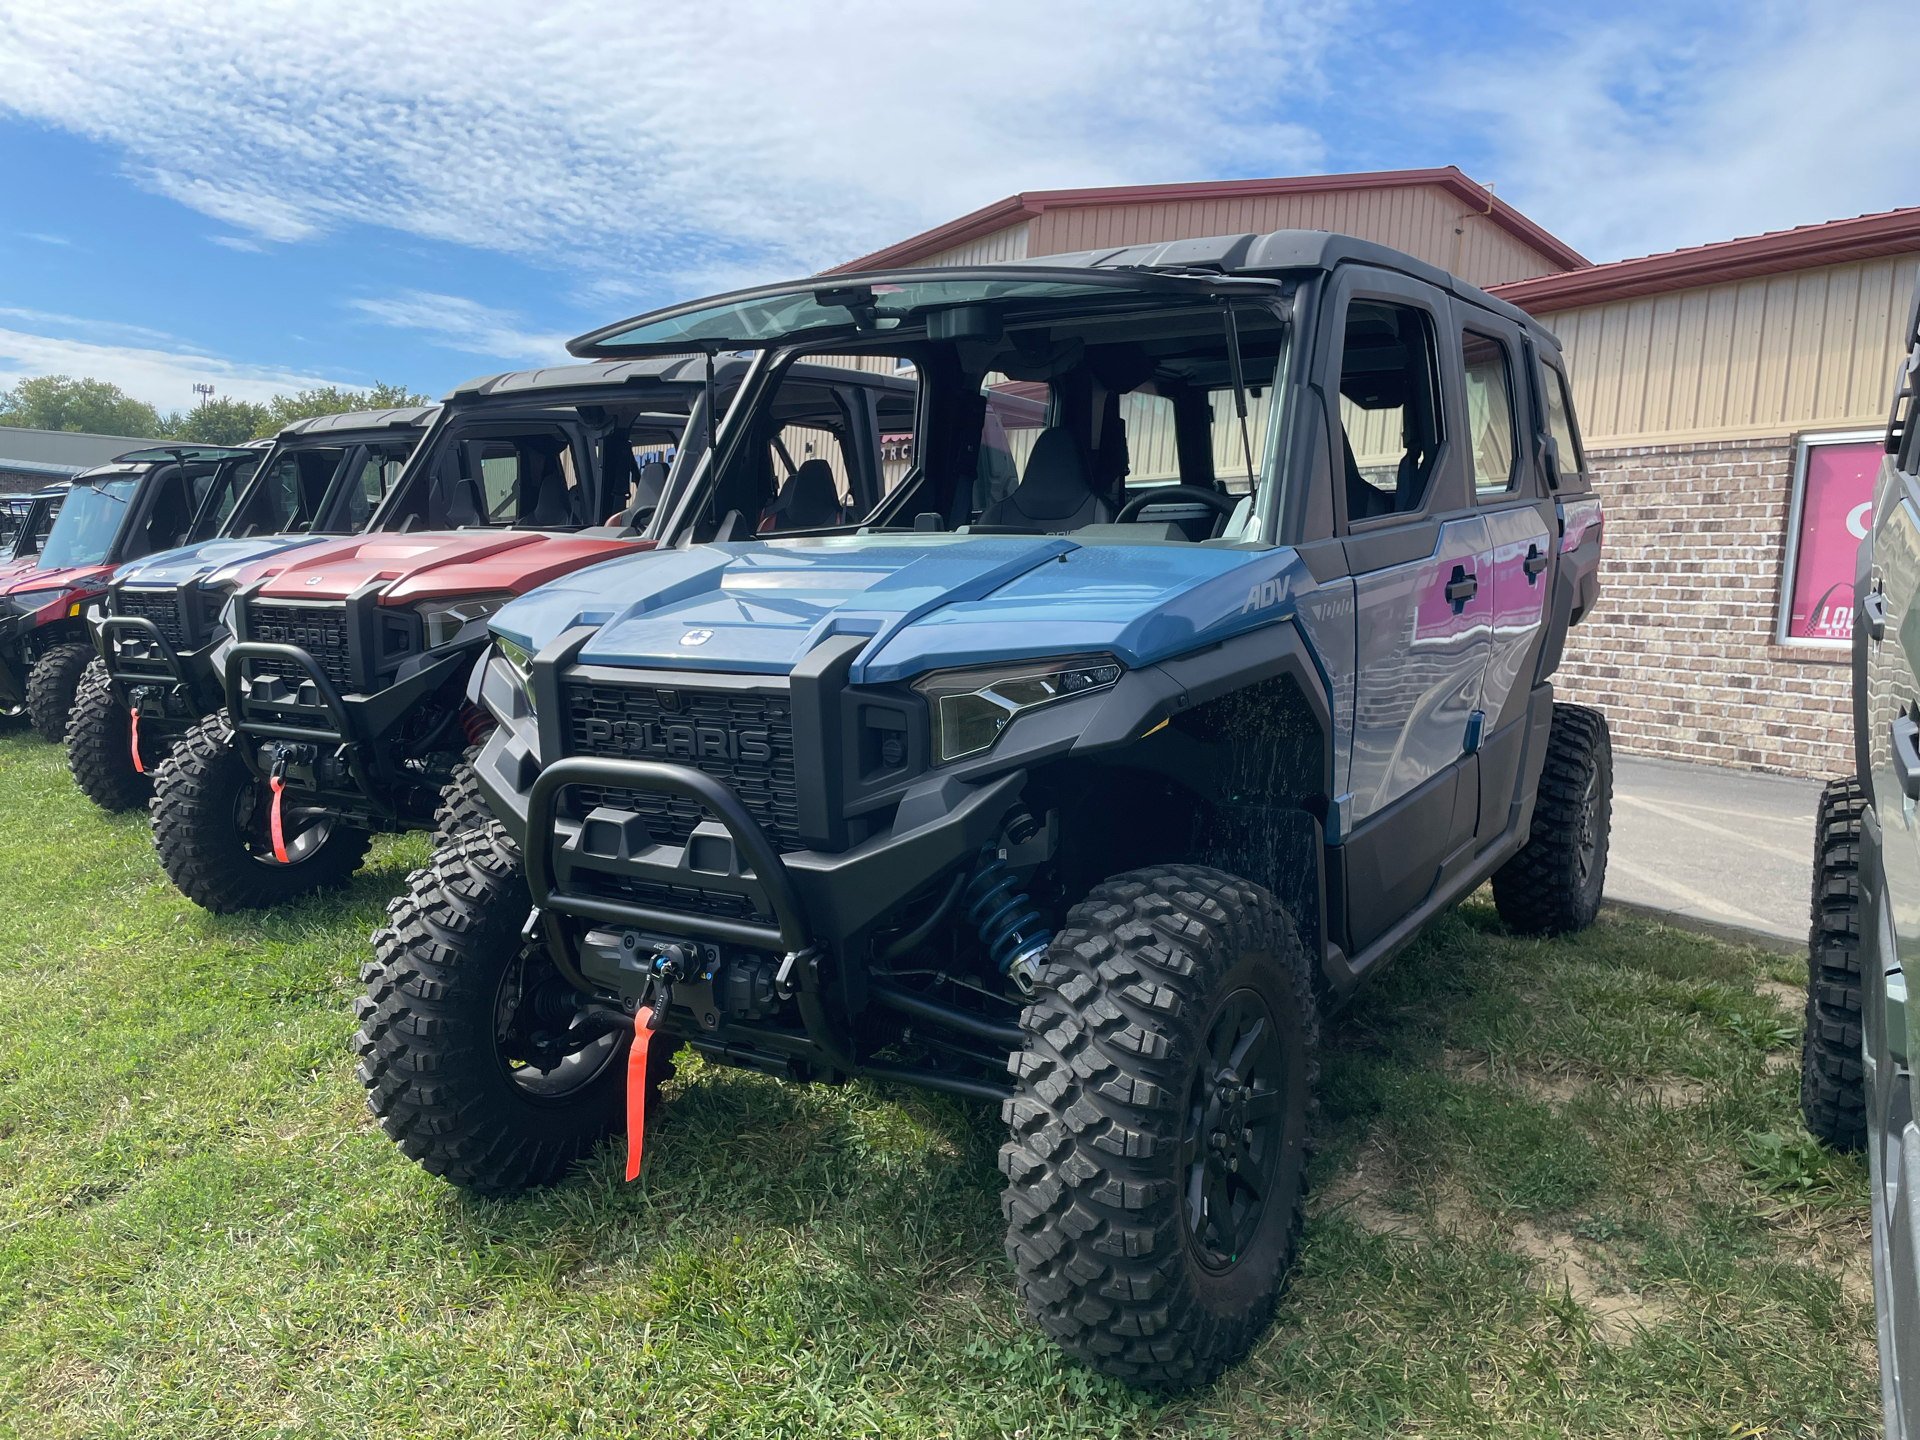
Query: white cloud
x=164, y=378
x=658, y=142
x=1640, y=133
x=462, y=324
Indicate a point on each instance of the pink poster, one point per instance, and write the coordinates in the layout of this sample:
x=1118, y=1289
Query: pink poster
x=1835, y=513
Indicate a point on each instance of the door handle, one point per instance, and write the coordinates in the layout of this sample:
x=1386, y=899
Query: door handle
x=1906, y=755
x=1461, y=588
x=1874, y=608
x=1534, y=563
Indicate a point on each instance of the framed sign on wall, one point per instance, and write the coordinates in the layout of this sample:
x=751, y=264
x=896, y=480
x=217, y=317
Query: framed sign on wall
x=1831, y=512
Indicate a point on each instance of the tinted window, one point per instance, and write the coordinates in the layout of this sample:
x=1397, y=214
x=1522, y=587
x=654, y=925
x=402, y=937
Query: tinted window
x=1560, y=423
x=1389, y=412
x=1491, y=439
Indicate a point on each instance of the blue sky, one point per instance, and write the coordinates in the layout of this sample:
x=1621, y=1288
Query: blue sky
x=262, y=194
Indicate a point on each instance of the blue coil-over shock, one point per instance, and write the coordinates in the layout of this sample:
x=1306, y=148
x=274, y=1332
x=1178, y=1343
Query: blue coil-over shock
x=1009, y=926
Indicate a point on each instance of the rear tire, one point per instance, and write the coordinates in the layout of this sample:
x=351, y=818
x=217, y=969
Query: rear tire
x=462, y=807
x=451, y=979
x=100, y=746
x=1833, y=1078
x=1155, y=1190
x=210, y=829
x=51, y=685
x=1553, y=884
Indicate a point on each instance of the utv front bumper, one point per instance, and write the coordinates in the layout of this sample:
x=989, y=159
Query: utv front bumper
x=335, y=748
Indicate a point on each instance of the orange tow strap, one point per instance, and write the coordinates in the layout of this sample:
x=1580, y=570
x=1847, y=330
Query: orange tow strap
x=278, y=782
x=637, y=1090
x=138, y=768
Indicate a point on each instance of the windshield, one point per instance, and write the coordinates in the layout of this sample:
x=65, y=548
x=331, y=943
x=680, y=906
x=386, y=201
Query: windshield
x=89, y=519
x=761, y=318
x=1078, y=425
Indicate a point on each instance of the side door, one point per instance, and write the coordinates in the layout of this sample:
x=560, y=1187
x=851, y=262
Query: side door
x=1499, y=428
x=1416, y=546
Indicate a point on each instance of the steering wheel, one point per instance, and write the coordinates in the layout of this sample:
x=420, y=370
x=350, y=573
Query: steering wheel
x=1223, y=505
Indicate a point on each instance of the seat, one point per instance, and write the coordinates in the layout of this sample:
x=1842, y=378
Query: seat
x=1053, y=493
x=544, y=484
x=1364, y=499
x=809, y=500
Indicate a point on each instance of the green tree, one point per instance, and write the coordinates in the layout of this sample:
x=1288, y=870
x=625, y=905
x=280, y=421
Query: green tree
x=59, y=402
x=334, y=400
x=225, y=421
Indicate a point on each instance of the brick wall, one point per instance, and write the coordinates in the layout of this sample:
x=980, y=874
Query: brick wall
x=1679, y=651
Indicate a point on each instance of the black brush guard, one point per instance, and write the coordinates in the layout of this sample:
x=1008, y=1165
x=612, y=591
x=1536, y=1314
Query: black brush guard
x=340, y=737
x=754, y=870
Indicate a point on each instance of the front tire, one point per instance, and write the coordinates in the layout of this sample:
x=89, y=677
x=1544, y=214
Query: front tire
x=1157, y=1167
x=463, y=808
x=455, y=1005
x=100, y=746
x=51, y=685
x=1833, y=1078
x=210, y=828
x=1553, y=883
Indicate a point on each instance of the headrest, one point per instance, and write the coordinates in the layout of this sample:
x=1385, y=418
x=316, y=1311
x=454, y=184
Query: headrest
x=1054, y=484
x=649, y=484
x=809, y=499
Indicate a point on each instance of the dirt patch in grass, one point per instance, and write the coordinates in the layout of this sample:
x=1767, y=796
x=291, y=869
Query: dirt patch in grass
x=1564, y=1267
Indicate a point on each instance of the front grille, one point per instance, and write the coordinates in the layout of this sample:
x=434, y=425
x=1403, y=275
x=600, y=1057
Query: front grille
x=320, y=630
x=744, y=741
x=162, y=607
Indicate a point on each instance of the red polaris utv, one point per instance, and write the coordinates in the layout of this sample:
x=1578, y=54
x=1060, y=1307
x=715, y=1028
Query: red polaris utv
x=145, y=501
x=159, y=624
x=27, y=520
x=348, y=705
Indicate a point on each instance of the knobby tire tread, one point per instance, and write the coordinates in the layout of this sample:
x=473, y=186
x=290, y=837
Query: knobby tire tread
x=51, y=685
x=1833, y=1097
x=427, y=1059
x=194, y=835
x=1094, y=1215
x=1536, y=891
x=100, y=745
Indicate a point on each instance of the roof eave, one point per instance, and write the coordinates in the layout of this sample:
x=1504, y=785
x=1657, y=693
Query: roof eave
x=1030, y=204
x=1837, y=242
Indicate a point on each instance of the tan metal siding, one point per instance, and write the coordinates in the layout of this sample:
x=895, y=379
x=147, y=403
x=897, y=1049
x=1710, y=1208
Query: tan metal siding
x=1007, y=244
x=1807, y=349
x=1419, y=219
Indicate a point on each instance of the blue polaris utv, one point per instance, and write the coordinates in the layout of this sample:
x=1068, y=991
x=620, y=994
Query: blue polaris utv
x=157, y=627
x=1193, y=654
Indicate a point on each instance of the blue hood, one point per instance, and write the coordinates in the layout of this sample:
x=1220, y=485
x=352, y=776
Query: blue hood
x=205, y=561
x=929, y=602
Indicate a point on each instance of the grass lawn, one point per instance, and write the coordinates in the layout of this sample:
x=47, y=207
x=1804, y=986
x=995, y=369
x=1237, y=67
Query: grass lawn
x=1561, y=1189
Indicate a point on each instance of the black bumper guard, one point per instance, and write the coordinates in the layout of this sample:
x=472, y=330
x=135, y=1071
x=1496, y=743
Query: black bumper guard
x=341, y=736
x=755, y=869
x=159, y=651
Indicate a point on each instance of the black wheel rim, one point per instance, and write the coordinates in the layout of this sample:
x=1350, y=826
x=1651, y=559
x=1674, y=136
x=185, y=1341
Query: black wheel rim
x=302, y=831
x=1586, y=847
x=1235, y=1129
x=542, y=1052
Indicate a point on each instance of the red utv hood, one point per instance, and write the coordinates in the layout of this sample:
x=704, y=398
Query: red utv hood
x=93, y=577
x=430, y=565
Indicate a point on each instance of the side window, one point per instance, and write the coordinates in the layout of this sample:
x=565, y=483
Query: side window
x=1560, y=423
x=499, y=472
x=1488, y=375
x=1389, y=408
